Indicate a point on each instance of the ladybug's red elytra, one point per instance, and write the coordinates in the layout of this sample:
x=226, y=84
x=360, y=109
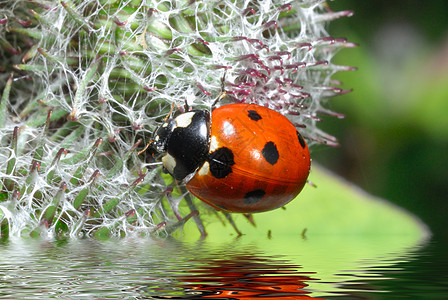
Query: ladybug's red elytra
x=240, y=158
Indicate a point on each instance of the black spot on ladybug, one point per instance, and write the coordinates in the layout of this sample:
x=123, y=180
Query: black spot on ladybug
x=301, y=140
x=254, y=115
x=254, y=196
x=270, y=153
x=221, y=162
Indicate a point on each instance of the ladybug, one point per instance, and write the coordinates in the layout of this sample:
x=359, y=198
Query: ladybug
x=241, y=157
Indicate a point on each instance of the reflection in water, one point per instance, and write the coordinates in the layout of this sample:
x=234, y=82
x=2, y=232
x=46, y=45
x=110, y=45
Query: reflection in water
x=242, y=277
x=418, y=274
x=162, y=269
x=144, y=269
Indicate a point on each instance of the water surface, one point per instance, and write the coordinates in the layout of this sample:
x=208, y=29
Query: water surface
x=235, y=268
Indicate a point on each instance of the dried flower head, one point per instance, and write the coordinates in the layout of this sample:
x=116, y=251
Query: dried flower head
x=86, y=81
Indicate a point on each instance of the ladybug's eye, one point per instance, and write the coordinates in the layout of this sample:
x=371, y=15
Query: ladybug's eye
x=162, y=135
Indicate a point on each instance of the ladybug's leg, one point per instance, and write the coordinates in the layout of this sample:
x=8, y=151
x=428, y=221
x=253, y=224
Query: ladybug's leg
x=223, y=93
x=221, y=96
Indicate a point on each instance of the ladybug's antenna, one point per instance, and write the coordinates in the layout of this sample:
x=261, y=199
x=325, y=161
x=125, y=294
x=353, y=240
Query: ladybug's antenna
x=223, y=81
x=169, y=113
x=186, y=106
x=146, y=147
x=164, y=120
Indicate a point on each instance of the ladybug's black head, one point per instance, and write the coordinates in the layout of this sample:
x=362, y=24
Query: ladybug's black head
x=184, y=141
x=162, y=135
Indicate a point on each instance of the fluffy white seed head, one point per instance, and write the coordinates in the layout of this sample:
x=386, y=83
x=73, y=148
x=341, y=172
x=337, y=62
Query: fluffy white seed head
x=113, y=70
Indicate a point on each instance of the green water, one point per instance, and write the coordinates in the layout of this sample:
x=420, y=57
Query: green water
x=233, y=268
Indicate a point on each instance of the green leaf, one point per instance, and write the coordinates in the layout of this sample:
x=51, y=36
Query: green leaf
x=42, y=119
x=83, y=167
x=4, y=225
x=107, y=207
x=50, y=212
x=4, y=101
x=80, y=198
x=9, y=183
x=103, y=233
x=334, y=208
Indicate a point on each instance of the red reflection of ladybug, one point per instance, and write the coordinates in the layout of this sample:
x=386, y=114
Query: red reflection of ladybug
x=243, y=158
x=244, y=277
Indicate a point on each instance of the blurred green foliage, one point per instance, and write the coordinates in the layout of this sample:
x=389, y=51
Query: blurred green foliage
x=394, y=139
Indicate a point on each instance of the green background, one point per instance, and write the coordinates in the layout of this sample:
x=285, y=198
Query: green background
x=394, y=139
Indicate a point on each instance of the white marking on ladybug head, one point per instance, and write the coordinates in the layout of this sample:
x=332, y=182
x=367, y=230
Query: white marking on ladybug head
x=184, y=120
x=169, y=163
x=165, y=124
x=204, y=170
x=214, y=144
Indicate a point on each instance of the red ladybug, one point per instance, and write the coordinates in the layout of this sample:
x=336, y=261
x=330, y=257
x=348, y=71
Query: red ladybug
x=242, y=158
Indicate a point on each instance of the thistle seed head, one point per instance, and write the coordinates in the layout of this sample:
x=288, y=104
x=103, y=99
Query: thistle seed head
x=84, y=82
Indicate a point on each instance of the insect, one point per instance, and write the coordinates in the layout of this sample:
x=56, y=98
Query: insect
x=239, y=158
